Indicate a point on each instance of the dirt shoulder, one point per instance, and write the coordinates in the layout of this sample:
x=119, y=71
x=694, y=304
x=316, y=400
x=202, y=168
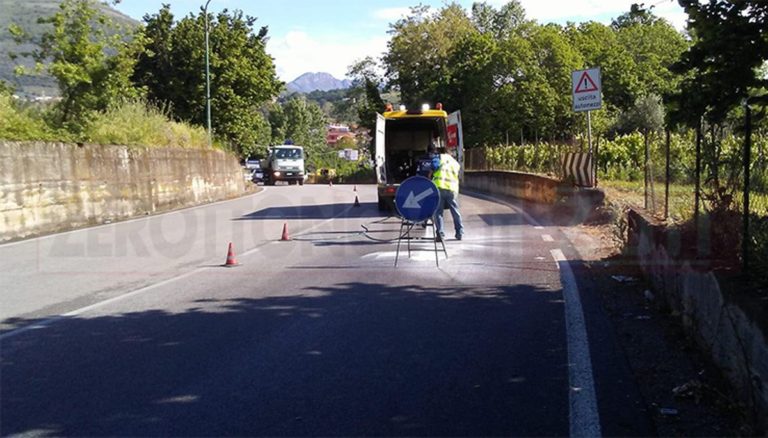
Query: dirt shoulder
x=684, y=393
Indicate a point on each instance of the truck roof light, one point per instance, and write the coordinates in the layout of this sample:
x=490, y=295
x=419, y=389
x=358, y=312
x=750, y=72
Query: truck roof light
x=425, y=107
x=402, y=107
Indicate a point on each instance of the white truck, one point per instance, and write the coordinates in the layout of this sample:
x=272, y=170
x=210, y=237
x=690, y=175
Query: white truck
x=402, y=137
x=284, y=163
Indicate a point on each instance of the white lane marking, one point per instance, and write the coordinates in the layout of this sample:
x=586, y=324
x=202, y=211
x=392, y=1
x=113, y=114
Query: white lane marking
x=538, y=227
x=584, y=416
x=547, y=238
x=46, y=322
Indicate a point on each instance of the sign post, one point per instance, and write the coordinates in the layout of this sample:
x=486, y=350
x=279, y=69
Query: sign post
x=585, y=88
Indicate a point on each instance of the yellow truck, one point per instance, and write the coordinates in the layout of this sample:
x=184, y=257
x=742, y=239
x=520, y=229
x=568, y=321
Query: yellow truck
x=402, y=137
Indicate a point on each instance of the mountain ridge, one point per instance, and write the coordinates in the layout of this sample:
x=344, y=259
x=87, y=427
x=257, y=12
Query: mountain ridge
x=25, y=14
x=319, y=81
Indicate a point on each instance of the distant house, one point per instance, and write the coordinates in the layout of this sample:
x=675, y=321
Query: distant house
x=334, y=133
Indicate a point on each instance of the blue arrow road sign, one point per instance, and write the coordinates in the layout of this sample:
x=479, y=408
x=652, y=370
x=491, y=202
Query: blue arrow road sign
x=417, y=199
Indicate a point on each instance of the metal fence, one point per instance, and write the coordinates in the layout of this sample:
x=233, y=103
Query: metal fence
x=695, y=179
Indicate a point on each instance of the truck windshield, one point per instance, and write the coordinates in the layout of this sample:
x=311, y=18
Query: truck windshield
x=284, y=153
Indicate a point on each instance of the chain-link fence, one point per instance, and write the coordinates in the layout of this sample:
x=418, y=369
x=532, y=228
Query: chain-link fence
x=671, y=175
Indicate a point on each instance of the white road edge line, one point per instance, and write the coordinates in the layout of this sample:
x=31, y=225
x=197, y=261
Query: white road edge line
x=47, y=322
x=547, y=238
x=125, y=221
x=584, y=417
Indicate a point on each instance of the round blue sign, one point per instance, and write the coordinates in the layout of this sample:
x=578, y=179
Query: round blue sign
x=417, y=199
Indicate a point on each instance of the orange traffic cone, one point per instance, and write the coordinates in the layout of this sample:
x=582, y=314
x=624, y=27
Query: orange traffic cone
x=285, y=232
x=357, y=201
x=355, y=189
x=330, y=183
x=230, y=257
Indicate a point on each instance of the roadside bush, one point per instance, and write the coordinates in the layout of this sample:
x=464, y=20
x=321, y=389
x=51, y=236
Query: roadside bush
x=21, y=123
x=759, y=236
x=134, y=123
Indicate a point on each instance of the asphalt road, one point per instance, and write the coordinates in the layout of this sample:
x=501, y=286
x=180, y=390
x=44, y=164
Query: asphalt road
x=135, y=329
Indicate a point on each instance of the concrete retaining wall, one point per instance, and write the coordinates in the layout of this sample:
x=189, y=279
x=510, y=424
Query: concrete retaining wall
x=525, y=186
x=734, y=339
x=50, y=187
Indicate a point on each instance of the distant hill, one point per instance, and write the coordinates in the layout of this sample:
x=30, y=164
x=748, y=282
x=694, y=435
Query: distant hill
x=309, y=82
x=25, y=13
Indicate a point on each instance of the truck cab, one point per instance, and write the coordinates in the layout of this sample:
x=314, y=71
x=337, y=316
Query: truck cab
x=284, y=163
x=402, y=137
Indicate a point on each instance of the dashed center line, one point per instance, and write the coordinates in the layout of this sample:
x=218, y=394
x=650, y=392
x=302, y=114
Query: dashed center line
x=547, y=238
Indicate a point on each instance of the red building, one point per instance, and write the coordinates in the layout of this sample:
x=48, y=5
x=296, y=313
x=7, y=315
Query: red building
x=336, y=133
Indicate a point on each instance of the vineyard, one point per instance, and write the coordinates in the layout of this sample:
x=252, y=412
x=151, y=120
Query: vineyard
x=621, y=174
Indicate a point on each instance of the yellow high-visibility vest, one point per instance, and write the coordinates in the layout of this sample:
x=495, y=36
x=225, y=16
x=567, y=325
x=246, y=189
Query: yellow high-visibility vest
x=447, y=175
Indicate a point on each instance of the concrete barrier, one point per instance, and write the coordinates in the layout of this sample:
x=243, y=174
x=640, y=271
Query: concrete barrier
x=51, y=187
x=734, y=338
x=546, y=198
x=525, y=186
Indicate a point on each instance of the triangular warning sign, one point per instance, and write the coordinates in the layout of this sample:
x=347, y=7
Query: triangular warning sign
x=585, y=84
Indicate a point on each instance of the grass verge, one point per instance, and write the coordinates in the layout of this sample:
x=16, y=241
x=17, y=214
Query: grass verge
x=134, y=123
x=131, y=123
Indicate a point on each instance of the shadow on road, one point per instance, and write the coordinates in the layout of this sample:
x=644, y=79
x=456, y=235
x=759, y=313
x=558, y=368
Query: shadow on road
x=350, y=359
x=578, y=211
x=324, y=211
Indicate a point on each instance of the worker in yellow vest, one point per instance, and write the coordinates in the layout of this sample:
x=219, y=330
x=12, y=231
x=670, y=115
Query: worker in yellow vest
x=446, y=178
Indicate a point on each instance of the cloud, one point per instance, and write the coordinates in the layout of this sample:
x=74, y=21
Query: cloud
x=297, y=52
x=391, y=14
x=560, y=11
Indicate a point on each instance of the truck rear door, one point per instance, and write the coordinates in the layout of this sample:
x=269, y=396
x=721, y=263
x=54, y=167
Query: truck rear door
x=456, y=139
x=381, y=164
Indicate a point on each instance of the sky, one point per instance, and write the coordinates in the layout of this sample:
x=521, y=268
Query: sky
x=328, y=36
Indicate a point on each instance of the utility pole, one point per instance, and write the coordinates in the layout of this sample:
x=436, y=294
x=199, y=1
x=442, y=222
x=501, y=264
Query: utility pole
x=207, y=76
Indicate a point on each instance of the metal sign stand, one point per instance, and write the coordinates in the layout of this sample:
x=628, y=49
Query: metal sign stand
x=408, y=227
x=589, y=130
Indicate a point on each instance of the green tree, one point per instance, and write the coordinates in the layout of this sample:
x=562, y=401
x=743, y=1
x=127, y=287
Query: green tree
x=472, y=86
x=500, y=23
x=243, y=75
x=557, y=59
x=6, y=88
x=157, y=59
x=305, y=123
x=417, y=60
x=365, y=91
x=730, y=44
x=90, y=58
x=277, y=122
x=647, y=115
x=654, y=46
